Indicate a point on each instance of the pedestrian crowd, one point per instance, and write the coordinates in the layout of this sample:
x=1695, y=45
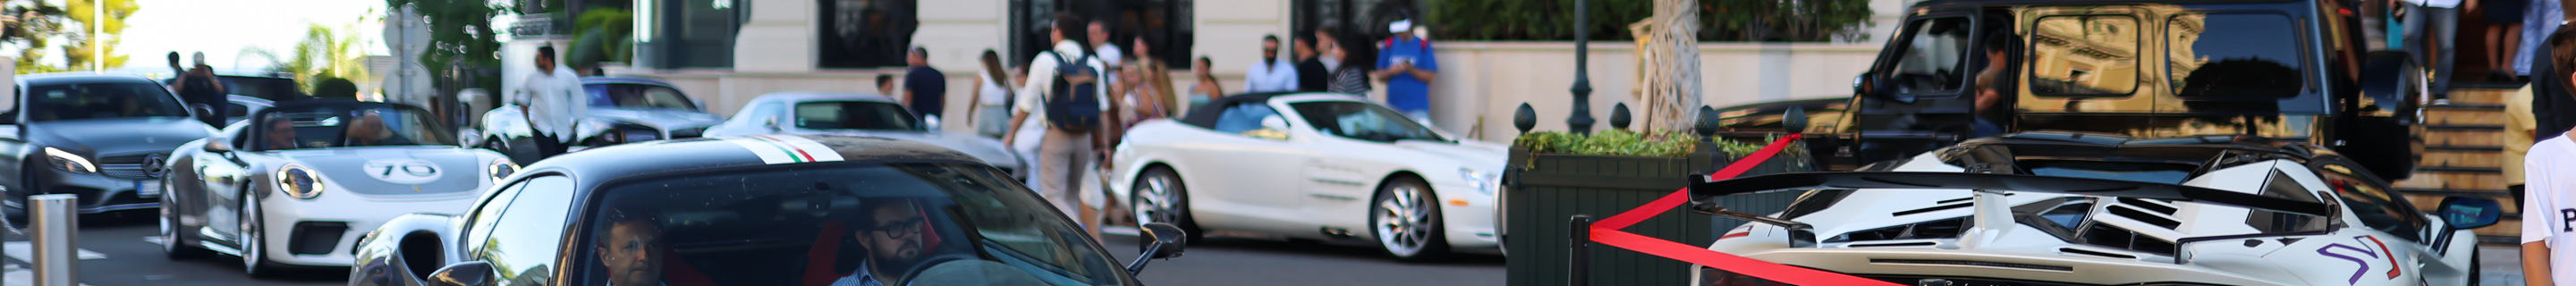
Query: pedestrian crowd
x=1063, y=109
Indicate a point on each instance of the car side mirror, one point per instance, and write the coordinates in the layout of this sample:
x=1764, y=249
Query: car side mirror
x=476, y=273
x=699, y=104
x=930, y=123
x=218, y=147
x=1794, y=121
x=2468, y=213
x=1273, y=122
x=202, y=109
x=1166, y=243
x=770, y=123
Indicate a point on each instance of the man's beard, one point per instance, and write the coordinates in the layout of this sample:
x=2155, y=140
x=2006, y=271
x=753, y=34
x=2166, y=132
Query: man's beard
x=909, y=251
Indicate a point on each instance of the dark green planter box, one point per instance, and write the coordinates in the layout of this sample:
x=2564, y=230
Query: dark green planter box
x=1544, y=190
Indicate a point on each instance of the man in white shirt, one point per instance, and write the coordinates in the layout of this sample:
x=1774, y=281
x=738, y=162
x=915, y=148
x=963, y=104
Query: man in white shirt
x=1062, y=155
x=554, y=102
x=1271, y=73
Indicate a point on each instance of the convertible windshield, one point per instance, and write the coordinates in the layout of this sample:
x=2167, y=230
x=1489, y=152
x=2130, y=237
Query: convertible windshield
x=305, y=127
x=637, y=96
x=901, y=224
x=101, y=100
x=853, y=115
x=1363, y=121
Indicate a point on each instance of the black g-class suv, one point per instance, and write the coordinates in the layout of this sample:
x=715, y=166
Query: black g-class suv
x=2283, y=69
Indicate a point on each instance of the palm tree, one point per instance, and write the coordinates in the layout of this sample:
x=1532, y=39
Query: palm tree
x=1672, y=88
x=325, y=52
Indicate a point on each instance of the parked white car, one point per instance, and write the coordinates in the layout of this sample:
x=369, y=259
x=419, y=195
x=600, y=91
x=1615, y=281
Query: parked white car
x=1312, y=165
x=2053, y=208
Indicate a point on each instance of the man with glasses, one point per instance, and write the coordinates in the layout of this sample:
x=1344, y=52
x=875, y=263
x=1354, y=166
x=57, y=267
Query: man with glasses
x=890, y=229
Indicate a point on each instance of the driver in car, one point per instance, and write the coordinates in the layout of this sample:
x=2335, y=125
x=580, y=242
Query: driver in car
x=890, y=230
x=281, y=134
x=632, y=250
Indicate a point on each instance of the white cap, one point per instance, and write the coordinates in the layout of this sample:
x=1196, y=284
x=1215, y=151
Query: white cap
x=1399, y=26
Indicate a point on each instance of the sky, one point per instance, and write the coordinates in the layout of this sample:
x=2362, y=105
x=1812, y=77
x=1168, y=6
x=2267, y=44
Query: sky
x=224, y=28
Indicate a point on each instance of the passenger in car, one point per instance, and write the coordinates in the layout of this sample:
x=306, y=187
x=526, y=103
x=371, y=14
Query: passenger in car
x=1994, y=84
x=890, y=230
x=632, y=250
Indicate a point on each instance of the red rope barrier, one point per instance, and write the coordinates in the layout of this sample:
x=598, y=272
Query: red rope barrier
x=1607, y=232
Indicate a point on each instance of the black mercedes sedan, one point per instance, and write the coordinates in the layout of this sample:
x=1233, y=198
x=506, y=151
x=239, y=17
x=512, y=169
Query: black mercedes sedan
x=104, y=137
x=756, y=210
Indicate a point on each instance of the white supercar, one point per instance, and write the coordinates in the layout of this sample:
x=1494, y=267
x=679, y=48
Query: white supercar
x=2049, y=208
x=1312, y=165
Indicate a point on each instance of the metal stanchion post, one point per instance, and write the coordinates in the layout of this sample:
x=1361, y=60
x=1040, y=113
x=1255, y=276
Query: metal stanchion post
x=1581, y=272
x=55, y=219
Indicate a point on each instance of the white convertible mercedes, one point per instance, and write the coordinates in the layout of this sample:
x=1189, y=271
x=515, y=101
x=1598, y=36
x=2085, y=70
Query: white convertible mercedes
x=1312, y=165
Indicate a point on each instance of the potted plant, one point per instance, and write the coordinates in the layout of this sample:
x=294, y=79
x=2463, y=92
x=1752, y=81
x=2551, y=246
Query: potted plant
x=1554, y=176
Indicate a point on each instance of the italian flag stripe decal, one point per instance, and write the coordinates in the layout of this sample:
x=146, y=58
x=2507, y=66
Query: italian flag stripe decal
x=786, y=149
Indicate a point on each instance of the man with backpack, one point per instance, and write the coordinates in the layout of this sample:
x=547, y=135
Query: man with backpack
x=1066, y=89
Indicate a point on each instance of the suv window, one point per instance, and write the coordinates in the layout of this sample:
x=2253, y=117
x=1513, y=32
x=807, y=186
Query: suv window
x=2256, y=55
x=2084, y=55
x=1931, y=60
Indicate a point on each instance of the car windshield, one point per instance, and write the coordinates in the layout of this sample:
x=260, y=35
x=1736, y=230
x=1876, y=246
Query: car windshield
x=1363, y=121
x=326, y=126
x=59, y=102
x=853, y=115
x=904, y=224
x=637, y=96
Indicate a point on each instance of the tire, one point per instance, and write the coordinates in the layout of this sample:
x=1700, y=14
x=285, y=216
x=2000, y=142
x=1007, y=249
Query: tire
x=177, y=243
x=1159, y=196
x=253, y=242
x=1405, y=218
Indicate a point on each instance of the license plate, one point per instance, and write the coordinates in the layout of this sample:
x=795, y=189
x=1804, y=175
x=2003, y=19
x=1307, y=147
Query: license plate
x=147, y=189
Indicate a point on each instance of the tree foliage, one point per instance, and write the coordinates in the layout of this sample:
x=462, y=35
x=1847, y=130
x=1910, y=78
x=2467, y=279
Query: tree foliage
x=1728, y=20
x=460, y=34
x=325, y=52
x=77, y=52
x=604, y=37
x=30, y=30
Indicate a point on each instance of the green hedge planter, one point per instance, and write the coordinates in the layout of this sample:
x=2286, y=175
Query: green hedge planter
x=1542, y=191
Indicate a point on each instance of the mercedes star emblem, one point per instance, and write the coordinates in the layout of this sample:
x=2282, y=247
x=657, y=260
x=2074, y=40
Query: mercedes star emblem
x=156, y=164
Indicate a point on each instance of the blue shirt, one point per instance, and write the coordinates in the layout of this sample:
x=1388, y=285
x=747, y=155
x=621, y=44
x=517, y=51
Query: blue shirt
x=865, y=276
x=1403, y=92
x=2538, y=21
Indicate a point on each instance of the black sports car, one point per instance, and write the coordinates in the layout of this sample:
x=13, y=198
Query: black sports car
x=759, y=210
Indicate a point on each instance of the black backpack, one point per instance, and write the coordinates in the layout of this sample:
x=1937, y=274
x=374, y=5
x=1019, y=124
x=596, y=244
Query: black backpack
x=1074, y=104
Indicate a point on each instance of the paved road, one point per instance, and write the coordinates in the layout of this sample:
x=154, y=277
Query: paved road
x=126, y=254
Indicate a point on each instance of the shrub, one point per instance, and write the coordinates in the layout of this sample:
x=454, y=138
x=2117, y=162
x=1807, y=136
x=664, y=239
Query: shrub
x=1623, y=143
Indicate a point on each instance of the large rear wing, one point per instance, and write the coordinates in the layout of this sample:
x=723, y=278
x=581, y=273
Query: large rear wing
x=1704, y=191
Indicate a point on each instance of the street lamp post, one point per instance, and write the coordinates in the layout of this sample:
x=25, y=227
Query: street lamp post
x=1581, y=121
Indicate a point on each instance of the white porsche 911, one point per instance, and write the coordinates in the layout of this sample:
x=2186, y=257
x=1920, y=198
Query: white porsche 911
x=1312, y=165
x=2050, y=208
x=295, y=185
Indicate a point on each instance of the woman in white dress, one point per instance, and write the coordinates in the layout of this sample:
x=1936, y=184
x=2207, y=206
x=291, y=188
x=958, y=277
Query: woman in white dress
x=992, y=111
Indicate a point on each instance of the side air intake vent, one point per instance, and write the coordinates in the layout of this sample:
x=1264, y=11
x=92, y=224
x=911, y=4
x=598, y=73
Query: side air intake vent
x=2080, y=251
x=1944, y=228
x=1974, y=263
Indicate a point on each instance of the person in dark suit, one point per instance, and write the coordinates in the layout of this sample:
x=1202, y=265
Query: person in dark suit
x=1311, y=75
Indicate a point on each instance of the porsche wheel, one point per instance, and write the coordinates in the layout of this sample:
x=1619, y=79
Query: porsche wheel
x=1406, y=220
x=177, y=241
x=1159, y=196
x=254, y=252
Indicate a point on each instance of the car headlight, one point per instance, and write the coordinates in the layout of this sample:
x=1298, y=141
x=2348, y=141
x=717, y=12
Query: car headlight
x=298, y=182
x=1480, y=180
x=501, y=168
x=68, y=162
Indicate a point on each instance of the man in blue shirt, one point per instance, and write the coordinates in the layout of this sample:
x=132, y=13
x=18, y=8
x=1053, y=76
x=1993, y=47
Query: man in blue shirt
x=891, y=234
x=1408, y=66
